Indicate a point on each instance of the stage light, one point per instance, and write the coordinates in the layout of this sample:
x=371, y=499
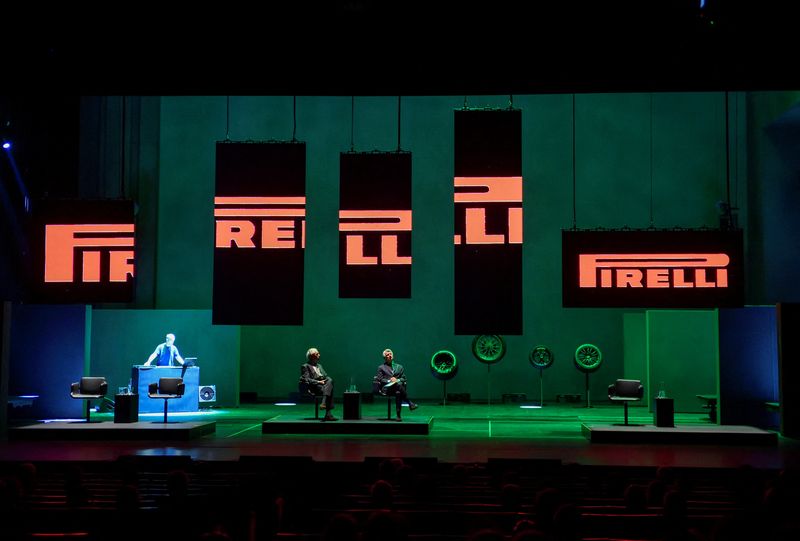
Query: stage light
x=285, y=404
x=6, y=145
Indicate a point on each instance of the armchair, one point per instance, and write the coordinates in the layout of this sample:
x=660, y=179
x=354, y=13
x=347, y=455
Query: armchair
x=166, y=388
x=626, y=390
x=89, y=388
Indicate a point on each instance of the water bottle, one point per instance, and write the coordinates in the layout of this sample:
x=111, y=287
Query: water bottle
x=130, y=386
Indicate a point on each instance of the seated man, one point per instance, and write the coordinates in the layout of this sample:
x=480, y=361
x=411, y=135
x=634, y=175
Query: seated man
x=313, y=375
x=391, y=380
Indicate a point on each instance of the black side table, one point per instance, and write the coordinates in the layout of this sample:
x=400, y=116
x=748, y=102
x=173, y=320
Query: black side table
x=665, y=412
x=352, y=406
x=126, y=408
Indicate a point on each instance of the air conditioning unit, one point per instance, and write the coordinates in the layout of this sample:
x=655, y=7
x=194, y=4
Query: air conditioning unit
x=207, y=393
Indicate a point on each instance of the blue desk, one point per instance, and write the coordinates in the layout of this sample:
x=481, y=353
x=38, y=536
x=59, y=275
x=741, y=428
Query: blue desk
x=143, y=376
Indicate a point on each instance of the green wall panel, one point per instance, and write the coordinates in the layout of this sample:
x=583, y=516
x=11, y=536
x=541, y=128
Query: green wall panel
x=635, y=349
x=683, y=353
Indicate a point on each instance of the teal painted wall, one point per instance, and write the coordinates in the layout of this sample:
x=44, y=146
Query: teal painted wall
x=683, y=353
x=634, y=326
x=613, y=177
x=123, y=338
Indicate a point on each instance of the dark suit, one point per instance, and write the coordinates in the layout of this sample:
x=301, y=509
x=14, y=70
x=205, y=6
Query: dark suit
x=317, y=384
x=385, y=372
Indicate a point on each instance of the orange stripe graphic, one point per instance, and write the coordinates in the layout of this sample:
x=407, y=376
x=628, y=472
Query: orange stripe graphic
x=259, y=200
x=491, y=189
x=396, y=220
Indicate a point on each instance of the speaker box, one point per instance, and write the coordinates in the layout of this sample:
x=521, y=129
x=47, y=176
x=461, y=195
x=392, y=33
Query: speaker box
x=248, y=397
x=207, y=393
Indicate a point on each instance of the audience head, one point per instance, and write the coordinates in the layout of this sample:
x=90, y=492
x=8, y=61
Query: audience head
x=566, y=523
x=342, y=527
x=655, y=492
x=384, y=525
x=674, y=505
x=460, y=473
x=547, y=502
x=26, y=472
x=381, y=494
x=178, y=484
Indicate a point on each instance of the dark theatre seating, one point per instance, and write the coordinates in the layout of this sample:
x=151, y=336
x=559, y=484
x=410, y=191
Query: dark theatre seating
x=174, y=497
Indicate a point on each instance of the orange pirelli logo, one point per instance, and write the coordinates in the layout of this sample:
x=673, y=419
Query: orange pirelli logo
x=652, y=271
x=356, y=224
x=90, y=242
x=472, y=190
x=272, y=222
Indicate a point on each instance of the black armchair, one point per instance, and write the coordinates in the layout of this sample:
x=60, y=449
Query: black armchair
x=311, y=391
x=166, y=388
x=626, y=390
x=89, y=388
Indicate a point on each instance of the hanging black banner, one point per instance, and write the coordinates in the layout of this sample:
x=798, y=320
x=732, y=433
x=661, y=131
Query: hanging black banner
x=375, y=224
x=259, y=217
x=83, y=251
x=488, y=221
x=652, y=269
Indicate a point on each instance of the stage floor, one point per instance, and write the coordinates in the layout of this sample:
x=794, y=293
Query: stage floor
x=459, y=433
x=103, y=430
x=418, y=425
x=687, y=434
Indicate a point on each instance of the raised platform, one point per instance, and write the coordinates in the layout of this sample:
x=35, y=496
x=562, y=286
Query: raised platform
x=288, y=424
x=707, y=435
x=143, y=430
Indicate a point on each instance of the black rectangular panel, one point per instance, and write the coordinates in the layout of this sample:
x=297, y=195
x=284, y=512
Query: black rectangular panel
x=488, y=221
x=788, y=318
x=83, y=251
x=259, y=216
x=652, y=269
x=375, y=224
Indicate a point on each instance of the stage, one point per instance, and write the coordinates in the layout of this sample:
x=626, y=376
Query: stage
x=695, y=435
x=108, y=430
x=457, y=432
x=295, y=424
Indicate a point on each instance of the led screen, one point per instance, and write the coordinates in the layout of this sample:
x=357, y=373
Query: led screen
x=488, y=191
x=259, y=240
x=83, y=251
x=375, y=225
x=652, y=269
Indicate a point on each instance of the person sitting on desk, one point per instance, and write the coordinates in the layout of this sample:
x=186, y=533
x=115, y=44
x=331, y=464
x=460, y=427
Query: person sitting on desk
x=391, y=380
x=313, y=375
x=166, y=353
